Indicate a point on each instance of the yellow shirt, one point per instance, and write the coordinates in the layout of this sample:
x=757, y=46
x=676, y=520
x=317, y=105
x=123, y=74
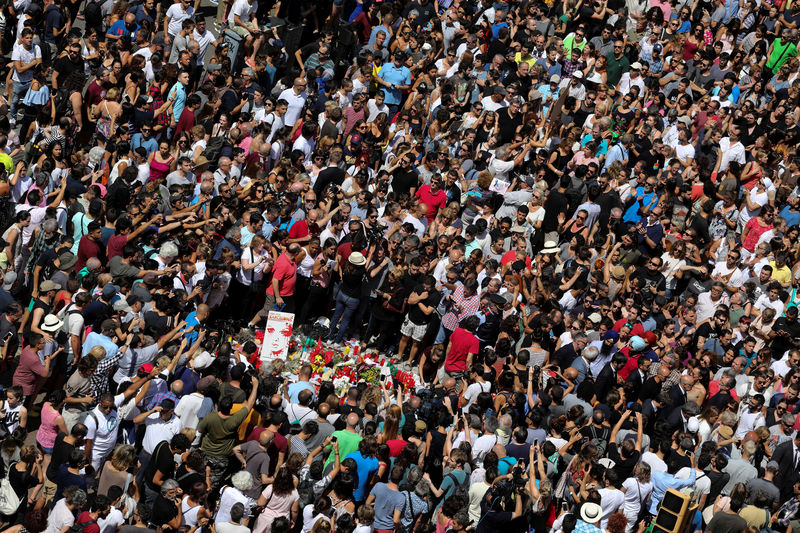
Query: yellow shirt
x=783, y=274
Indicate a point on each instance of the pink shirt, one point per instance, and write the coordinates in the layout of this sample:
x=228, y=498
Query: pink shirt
x=48, y=430
x=29, y=371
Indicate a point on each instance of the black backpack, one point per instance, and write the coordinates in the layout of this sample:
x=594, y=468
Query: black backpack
x=79, y=527
x=213, y=149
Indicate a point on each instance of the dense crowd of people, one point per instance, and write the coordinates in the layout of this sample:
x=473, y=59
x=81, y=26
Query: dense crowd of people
x=573, y=223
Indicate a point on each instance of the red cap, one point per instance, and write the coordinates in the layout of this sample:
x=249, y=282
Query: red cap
x=651, y=338
x=146, y=368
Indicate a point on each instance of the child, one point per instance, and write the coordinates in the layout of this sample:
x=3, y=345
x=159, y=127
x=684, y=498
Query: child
x=366, y=515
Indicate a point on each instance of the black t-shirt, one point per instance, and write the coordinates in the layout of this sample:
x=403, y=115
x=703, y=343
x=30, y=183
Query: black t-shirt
x=70, y=73
x=415, y=314
x=555, y=204
x=651, y=278
x=782, y=342
x=624, y=467
x=326, y=177
x=565, y=355
x=403, y=181
x=186, y=478
x=164, y=510
x=507, y=124
x=61, y=453
x=161, y=461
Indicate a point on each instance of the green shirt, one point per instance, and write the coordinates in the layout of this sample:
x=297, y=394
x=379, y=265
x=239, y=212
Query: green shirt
x=570, y=45
x=219, y=434
x=781, y=53
x=616, y=68
x=348, y=443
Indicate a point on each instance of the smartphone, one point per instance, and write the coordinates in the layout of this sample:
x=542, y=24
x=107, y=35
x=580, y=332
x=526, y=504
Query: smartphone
x=334, y=438
x=564, y=507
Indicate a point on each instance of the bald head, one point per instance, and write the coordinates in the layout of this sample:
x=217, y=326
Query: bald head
x=449, y=383
x=352, y=420
x=202, y=312
x=323, y=409
x=571, y=373
x=265, y=437
x=500, y=450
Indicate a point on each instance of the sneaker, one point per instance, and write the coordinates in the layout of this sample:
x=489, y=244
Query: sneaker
x=213, y=2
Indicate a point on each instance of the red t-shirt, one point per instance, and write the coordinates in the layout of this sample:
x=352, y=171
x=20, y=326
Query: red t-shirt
x=285, y=271
x=89, y=248
x=90, y=528
x=511, y=256
x=185, y=123
x=115, y=245
x=434, y=201
x=298, y=230
x=462, y=342
x=344, y=251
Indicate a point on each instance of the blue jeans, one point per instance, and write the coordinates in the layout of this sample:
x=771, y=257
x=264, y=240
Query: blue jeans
x=20, y=89
x=345, y=307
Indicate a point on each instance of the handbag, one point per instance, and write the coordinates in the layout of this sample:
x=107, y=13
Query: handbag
x=9, y=501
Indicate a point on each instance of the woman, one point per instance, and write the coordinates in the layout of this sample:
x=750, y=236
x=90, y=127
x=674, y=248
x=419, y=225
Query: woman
x=391, y=431
x=162, y=162
x=637, y=490
x=317, y=299
x=183, y=145
x=707, y=420
x=255, y=262
x=305, y=266
x=35, y=521
x=107, y=113
x=119, y=471
x=52, y=423
x=279, y=499
x=241, y=484
x=194, y=507
x=26, y=474
x=353, y=273
x=671, y=262
x=575, y=227
x=694, y=42
x=622, y=116
x=222, y=127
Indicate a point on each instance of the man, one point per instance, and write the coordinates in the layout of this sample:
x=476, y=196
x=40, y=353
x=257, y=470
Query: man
x=204, y=38
x=787, y=455
x=280, y=292
x=302, y=383
x=102, y=424
x=422, y=302
x=173, y=20
x=347, y=438
x=388, y=500
x=462, y=347
x=219, y=429
x=177, y=95
x=25, y=57
x=618, y=64
x=254, y=458
x=295, y=98
x=161, y=425
x=607, y=379
x=396, y=78
x=161, y=465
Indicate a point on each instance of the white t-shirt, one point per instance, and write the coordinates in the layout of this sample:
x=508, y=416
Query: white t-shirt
x=655, y=462
x=102, y=431
x=176, y=16
x=635, y=493
x=20, y=53
x=244, y=9
x=611, y=500
x=188, y=408
x=482, y=446
x=59, y=517
x=110, y=523
x=471, y=394
x=202, y=40
x=158, y=431
x=375, y=109
x=296, y=103
x=702, y=484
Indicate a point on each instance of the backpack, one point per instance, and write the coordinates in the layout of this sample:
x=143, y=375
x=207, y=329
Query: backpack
x=305, y=489
x=214, y=148
x=9, y=501
x=599, y=441
x=461, y=490
x=79, y=527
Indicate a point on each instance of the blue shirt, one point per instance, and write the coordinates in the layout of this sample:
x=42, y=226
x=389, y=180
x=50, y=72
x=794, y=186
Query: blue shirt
x=632, y=214
x=616, y=153
x=396, y=76
x=386, y=501
x=792, y=218
x=662, y=482
x=179, y=92
x=296, y=388
x=96, y=339
x=151, y=145
x=191, y=320
x=366, y=466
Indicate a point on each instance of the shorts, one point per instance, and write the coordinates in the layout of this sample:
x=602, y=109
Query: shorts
x=338, y=3
x=241, y=31
x=415, y=331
